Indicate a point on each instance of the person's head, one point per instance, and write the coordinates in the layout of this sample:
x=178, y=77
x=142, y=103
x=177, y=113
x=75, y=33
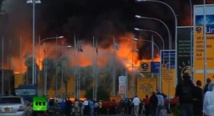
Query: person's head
x=198, y=83
x=186, y=76
x=147, y=96
x=208, y=80
x=211, y=87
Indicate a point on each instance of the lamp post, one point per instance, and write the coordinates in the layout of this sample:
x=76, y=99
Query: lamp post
x=163, y=42
x=173, y=12
x=34, y=2
x=133, y=78
x=62, y=71
x=45, y=79
x=150, y=18
x=205, y=42
x=132, y=66
x=169, y=38
x=175, y=20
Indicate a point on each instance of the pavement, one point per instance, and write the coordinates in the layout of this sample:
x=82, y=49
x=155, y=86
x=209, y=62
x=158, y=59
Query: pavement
x=129, y=115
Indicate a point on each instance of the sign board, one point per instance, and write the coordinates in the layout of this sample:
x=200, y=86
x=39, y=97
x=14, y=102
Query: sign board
x=122, y=88
x=199, y=41
x=168, y=71
x=145, y=86
x=149, y=67
x=145, y=67
x=122, y=79
x=184, y=51
x=155, y=67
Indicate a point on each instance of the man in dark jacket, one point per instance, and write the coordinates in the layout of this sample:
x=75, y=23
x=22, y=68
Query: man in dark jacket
x=198, y=99
x=206, y=86
x=153, y=104
x=185, y=93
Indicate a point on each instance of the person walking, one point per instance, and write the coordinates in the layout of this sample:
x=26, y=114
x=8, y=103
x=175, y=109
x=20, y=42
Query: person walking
x=185, y=93
x=160, y=104
x=86, y=107
x=146, y=105
x=136, y=103
x=208, y=105
x=198, y=99
x=206, y=86
x=76, y=107
x=153, y=104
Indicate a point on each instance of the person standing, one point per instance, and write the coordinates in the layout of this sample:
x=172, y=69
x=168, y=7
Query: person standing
x=160, y=104
x=208, y=105
x=198, y=99
x=86, y=107
x=91, y=105
x=206, y=86
x=185, y=93
x=136, y=103
x=153, y=104
x=146, y=105
x=76, y=107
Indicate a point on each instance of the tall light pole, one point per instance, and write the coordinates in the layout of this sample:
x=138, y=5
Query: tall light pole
x=2, y=70
x=133, y=76
x=34, y=2
x=175, y=20
x=163, y=42
x=173, y=12
x=132, y=66
x=191, y=41
x=45, y=79
x=167, y=28
x=169, y=39
x=205, y=43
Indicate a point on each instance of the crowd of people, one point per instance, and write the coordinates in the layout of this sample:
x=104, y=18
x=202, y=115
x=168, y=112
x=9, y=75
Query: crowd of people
x=193, y=100
x=190, y=100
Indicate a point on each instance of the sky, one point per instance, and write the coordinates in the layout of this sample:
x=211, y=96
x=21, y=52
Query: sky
x=86, y=18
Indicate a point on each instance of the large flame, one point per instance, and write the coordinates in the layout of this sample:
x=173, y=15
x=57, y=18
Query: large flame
x=125, y=54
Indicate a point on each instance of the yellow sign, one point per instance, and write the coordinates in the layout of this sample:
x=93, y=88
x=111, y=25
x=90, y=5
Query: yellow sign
x=145, y=86
x=168, y=80
x=199, y=54
x=145, y=67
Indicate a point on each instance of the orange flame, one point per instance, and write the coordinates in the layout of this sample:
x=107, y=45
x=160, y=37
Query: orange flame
x=85, y=58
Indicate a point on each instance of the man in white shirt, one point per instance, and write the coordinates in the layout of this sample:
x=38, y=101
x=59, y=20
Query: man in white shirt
x=86, y=107
x=136, y=103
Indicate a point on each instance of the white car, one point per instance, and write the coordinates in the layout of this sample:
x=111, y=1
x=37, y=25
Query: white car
x=12, y=106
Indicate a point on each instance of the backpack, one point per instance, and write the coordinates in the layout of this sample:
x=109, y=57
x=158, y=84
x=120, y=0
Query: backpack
x=187, y=92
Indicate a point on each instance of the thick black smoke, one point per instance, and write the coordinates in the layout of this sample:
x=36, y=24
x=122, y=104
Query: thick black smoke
x=87, y=18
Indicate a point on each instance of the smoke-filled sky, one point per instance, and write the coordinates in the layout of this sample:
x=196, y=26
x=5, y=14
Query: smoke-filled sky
x=86, y=18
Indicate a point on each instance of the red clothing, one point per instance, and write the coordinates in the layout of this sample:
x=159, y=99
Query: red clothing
x=146, y=101
x=175, y=100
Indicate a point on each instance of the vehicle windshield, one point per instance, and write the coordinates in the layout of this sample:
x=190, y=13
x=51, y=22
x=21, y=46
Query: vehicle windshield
x=10, y=100
x=26, y=92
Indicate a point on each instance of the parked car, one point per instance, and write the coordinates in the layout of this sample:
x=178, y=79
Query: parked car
x=12, y=106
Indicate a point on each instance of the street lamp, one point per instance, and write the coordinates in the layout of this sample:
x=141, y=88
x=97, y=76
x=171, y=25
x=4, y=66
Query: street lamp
x=40, y=41
x=133, y=50
x=136, y=50
x=163, y=42
x=34, y=2
x=150, y=42
x=175, y=18
x=169, y=39
x=150, y=18
x=173, y=12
